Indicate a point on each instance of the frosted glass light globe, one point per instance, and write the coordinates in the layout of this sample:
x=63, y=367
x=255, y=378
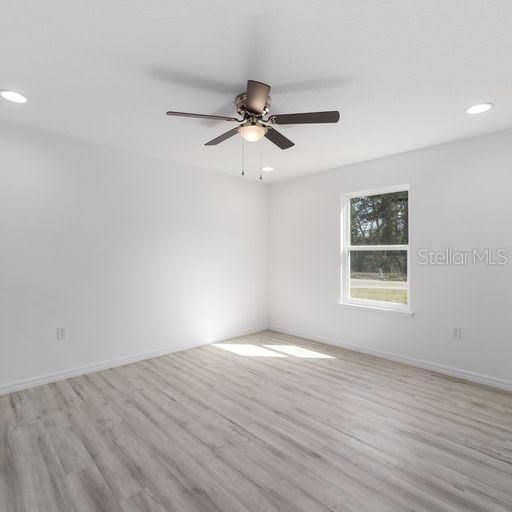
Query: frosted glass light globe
x=252, y=132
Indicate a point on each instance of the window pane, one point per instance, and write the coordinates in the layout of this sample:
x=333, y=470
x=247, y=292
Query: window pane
x=379, y=275
x=379, y=220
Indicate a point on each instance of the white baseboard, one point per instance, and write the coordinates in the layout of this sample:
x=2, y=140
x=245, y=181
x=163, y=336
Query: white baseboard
x=10, y=387
x=418, y=363
x=18, y=385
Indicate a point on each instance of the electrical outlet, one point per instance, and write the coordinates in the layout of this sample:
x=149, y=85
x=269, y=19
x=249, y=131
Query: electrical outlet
x=62, y=333
x=457, y=333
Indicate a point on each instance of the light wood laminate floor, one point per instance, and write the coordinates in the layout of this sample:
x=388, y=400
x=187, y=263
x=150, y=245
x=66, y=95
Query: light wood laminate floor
x=257, y=424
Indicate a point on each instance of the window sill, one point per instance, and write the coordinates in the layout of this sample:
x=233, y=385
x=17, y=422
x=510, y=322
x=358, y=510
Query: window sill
x=399, y=312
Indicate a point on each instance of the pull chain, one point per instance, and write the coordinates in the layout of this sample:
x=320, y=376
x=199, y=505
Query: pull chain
x=243, y=157
x=261, y=159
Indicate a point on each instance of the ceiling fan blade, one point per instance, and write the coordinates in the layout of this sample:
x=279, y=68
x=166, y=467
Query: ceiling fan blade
x=331, y=116
x=222, y=138
x=201, y=116
x=278, y=139
x=257, y=95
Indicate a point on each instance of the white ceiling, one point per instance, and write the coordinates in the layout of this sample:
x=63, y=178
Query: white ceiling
x=401, y=73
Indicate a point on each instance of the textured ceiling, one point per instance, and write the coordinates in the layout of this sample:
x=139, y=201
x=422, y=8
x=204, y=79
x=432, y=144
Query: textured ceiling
x=401, y=72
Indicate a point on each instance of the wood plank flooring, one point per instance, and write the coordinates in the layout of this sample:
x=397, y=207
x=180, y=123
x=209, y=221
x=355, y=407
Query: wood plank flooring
x=252, y=425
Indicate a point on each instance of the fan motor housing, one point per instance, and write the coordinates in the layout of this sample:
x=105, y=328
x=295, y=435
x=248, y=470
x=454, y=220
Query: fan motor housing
x=241, y=104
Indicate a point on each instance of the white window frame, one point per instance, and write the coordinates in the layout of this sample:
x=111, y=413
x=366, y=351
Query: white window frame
x=346, y=248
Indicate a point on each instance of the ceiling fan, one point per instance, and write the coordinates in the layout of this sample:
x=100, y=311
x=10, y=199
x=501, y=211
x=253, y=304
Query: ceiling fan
x=253, y=107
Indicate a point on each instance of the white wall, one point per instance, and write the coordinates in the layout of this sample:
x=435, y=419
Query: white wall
x=131, y=253
x=135, y=254
x=461, y=197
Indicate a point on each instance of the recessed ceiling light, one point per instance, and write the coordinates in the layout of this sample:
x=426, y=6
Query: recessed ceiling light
x=478, y=109
x=267, y=169
x=15, y=97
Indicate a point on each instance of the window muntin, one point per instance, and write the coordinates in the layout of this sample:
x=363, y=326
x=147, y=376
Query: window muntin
x=375, y=251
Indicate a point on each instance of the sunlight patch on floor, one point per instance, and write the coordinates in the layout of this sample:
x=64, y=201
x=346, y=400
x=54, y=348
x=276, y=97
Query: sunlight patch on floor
x=294, y=350
x=248, y=350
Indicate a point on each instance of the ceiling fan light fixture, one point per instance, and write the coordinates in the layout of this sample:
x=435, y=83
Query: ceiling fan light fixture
x=253, y=132
x=253, y=106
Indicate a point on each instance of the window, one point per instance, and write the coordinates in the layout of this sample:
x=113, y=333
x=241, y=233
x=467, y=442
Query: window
x=375, y=249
